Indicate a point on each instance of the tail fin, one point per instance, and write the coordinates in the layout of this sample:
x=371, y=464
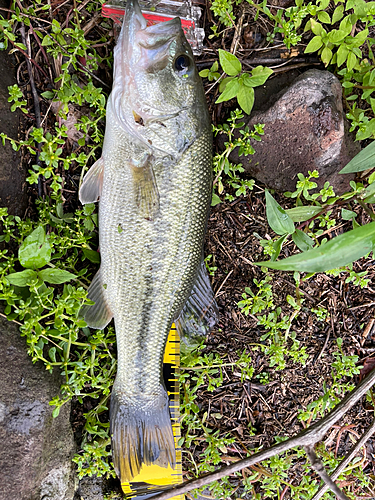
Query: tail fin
x=141, y=432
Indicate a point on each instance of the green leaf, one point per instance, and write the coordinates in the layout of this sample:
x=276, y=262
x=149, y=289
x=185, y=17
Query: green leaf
x=215, y=200
x=301, y=214
x=339, y=251
x=338, y=14
x=230, y=91
x=302, y=240
x=277, y=218
x=314, y=44
x=91, y=255
x=259, y=76
x=347, y=214
x=52, y=354
x=342, y=54
x=35, y=251
x=229, y=62
x=21, y=279
x=277, y=246
x=202, y=74
x=326, y=56
x=225, y=82
x=48, y=94
x=56, y=276
x=336, y=36
x=352, y=61
x=364, y=160
x=316, y=28
x=324, y=17
x=245, y=98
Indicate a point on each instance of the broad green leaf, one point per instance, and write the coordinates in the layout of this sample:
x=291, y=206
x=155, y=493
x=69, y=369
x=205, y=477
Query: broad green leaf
x=326, y=56
x=338, y=14
x=225, y=82
x=277, y=218
x=245, y=98
x=21, y=279
x=203, y=73
x=342, y=54
x=351, y=61
x=215, y=200
x=340, y=251
x=229, y=62
x=48, y=94
x=302, y=240
x=324, y=17
x=316, y=27
x=56, y=276
x=259, y=76
x=35, y=251
x=301, y=214
x=346, y=25
x=347, y=214
x=336, y=36
x=91, y=255
x=364, y=160
x=314, y=44
x=230, y=91
x=368, y=193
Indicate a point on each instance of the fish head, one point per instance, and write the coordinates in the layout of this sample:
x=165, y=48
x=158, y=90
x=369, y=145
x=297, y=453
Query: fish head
x=157, y=93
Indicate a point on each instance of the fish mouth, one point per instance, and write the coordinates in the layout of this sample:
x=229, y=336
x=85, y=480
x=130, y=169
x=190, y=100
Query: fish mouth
x=136, y=34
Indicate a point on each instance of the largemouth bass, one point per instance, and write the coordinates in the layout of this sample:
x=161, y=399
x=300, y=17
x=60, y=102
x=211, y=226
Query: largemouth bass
x=154, y=183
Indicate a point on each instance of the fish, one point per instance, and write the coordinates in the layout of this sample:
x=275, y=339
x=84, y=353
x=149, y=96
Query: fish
x=154, y=186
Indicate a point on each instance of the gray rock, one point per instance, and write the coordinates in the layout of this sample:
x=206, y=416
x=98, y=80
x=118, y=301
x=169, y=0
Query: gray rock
x=305, y=129
x=36, y=449
x=91, y=488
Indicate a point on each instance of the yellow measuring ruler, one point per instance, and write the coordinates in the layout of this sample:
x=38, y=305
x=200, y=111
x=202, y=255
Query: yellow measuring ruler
x=153, y=478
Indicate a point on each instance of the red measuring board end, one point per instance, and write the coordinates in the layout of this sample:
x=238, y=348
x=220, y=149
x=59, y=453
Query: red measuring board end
x=117, y=14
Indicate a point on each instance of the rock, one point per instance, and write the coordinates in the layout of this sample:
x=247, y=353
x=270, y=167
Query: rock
x=36, y=449
x=91, y=488
x=305, y=129
x=12, y=175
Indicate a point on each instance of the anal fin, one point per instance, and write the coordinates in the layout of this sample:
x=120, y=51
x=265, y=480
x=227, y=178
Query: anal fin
x=97, y=315
x=200, y=312
x=91, y=187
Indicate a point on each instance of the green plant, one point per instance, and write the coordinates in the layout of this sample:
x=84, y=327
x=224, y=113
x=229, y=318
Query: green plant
x=240, y=84
x=221, y=164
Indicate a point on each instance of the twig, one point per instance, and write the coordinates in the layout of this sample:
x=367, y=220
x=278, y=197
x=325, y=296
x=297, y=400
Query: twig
x=307, y=437
x=318, y=467
x=26, y=42
x=223, y=283
x=349, y=457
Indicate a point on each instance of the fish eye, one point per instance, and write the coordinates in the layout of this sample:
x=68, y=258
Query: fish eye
x=183, y=63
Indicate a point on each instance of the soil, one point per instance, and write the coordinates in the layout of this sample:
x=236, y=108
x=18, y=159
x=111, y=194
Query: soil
x=233, y=235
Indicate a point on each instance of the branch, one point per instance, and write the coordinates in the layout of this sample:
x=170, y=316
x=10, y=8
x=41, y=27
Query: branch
x=308, y=437
x=318, y=467
x=349, y=457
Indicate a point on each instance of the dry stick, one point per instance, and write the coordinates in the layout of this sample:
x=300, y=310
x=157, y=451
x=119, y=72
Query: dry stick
x=35, y=97
x=349, y=457
x=318, y=467
x=307, y=437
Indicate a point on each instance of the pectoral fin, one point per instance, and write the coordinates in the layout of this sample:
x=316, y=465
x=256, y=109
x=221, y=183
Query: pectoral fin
x=145, y=189
x=98, y=315
x=91, y=187
x=200, y=312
